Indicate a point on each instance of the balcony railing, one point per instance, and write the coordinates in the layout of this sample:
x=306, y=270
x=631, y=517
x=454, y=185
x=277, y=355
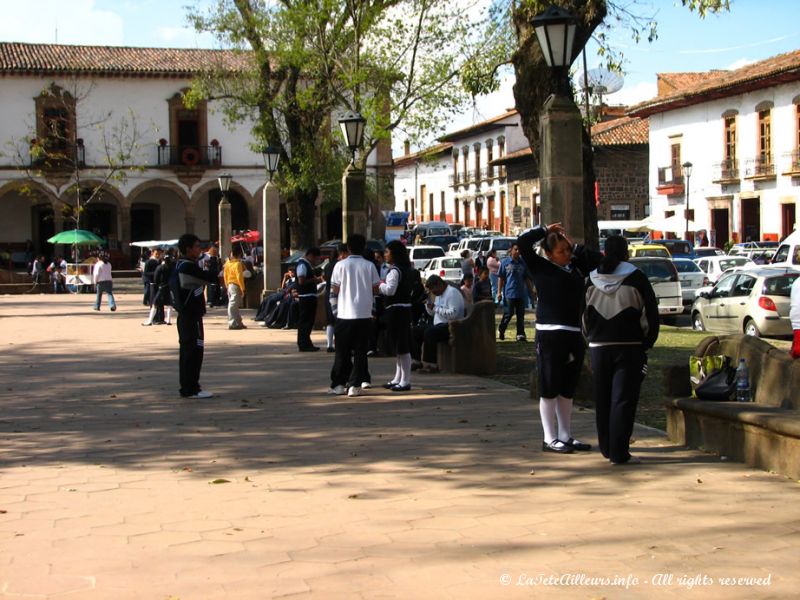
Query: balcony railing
x=726, y=171
x=458, y=178
x=57, y=157
x=668, y=176
x=189, y=156
x=761, y=166
x=794, y=162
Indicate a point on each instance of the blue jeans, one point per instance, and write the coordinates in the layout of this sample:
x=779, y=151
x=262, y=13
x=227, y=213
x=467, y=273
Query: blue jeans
x=107, y=287
x=493, y=279
x=513, y=307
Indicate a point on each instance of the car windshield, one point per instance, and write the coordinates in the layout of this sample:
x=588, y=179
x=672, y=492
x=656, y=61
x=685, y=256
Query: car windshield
x=679, y=248
x=656, y=271
x=502, y=244
x=729, y=263
x=473, y=244
x=420, y=253
x=657, y=252
x=687, y=266
x=451, y=263
x=779, y=286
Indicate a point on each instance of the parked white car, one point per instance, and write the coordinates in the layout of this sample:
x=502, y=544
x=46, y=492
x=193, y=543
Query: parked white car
x=420, y=255
x=446, y=267
x=692, y=278
x=714, y=266
x=755, y=302
x=663, y=276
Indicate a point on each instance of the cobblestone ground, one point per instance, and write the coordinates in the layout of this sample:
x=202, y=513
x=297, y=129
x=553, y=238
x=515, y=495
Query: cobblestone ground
x=111, y=486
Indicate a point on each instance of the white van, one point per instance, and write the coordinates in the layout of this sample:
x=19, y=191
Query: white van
x=788, y=253
x=663, y=276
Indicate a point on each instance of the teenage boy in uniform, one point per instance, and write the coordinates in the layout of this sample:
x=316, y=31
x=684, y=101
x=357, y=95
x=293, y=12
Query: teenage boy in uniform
x=191, y=308
x=307, y=299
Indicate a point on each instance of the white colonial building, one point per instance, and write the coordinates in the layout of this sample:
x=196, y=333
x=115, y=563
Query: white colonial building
x=455, y=180
x=740, y=130
x=85, y=100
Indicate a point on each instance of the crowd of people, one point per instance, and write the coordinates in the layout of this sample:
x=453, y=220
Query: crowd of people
x=584, y=300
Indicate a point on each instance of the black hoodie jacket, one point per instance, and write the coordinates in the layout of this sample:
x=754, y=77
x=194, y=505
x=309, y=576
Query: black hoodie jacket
x=621, y=308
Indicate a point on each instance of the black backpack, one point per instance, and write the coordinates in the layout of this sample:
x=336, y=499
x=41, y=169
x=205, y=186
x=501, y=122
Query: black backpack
x=175, y=287
x=418, y=293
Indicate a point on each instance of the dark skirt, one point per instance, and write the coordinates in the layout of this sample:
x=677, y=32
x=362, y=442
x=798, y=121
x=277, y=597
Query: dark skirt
x=559, y=359
x=398, y=328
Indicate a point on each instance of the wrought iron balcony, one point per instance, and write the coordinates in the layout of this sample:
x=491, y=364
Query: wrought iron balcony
x=56, y=156
x=794, y=163
x=760, y=167
x=727, y=171
x=189, y=156
x=670, y=181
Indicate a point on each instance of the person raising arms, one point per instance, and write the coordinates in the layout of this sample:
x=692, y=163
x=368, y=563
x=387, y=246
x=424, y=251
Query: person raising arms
x=559, y=280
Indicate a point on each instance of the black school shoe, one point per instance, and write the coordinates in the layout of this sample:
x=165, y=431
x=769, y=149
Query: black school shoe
x=401, y=388
x=558, y=447
x=576, y=445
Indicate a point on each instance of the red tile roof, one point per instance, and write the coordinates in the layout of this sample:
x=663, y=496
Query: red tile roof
x=431, y=152
x=783, y=68
x=18, y=58
x=478, y=127
x=624, y=131
x=669, y=83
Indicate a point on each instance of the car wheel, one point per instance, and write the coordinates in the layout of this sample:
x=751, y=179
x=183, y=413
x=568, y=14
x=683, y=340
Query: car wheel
x=750, y=328
x=697, y=322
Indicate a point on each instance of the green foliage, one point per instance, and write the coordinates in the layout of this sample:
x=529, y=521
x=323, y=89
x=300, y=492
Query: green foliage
x=397, y=62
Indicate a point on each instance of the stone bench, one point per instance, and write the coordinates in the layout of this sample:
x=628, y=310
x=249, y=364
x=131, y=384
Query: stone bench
x=764, y=433
x=472, y=348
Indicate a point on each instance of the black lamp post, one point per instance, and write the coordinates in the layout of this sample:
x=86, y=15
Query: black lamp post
x=555, y=28
x=561, y=160
x=687, y=172
x=354, y=213
x=224, y=215
x=271, y=155
x=270, y=211
x=352, y=124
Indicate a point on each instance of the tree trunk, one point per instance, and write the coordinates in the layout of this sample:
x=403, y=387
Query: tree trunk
x=535, y=82
x=301, y=207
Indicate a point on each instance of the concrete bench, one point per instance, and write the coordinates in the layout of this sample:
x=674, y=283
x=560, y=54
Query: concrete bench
x=472, y=347
x=764, y=433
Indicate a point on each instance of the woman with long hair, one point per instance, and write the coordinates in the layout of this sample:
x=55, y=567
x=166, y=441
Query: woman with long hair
x=559, y=280
x=621, y=324
x=397, y=290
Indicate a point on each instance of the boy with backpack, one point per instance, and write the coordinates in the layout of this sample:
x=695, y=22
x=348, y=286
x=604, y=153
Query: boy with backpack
x=186, y=283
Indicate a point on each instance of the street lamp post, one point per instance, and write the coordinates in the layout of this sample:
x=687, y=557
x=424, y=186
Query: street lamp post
x=270, y=225
x=224, y=214
x=354, y=213
x=687, y=172
x=561, y=163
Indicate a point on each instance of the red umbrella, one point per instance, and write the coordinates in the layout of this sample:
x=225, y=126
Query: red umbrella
x=248, y=237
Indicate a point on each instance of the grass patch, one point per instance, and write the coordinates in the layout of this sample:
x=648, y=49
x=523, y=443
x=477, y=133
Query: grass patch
x=674, y=346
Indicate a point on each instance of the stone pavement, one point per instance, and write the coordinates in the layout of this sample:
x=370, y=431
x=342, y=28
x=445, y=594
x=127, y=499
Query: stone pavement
x=113, y=487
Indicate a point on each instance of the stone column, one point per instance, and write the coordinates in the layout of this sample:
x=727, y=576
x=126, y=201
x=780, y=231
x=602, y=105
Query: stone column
x=271, y=237
x=189, y=220
x=225, y=228
x=561, y=165
x=354, y=208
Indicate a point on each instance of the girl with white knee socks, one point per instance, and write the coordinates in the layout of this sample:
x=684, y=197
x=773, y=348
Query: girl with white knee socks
x=397, y=290
x=559, y=278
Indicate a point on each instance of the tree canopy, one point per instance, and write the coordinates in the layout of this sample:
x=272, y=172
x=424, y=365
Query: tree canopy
x=396, y=62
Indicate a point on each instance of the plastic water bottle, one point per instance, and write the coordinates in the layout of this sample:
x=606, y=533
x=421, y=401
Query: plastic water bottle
x=742, y=382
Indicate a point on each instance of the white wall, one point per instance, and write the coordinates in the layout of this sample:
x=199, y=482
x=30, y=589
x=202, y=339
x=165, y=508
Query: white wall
x=702, y=144
x=436, y=176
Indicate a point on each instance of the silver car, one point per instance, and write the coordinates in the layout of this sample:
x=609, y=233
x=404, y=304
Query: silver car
x=692, y=279
x=754, y=301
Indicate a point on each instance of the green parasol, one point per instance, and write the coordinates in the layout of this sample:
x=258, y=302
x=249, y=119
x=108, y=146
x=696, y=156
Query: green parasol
x=76, y=237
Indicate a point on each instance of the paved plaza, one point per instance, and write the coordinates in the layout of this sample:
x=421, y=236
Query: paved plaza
x=113, y=487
